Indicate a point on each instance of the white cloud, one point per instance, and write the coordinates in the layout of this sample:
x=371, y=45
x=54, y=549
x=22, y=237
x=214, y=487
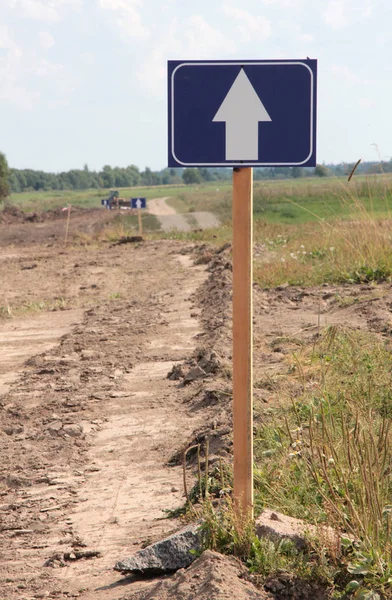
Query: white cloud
x=44, y=10
x=249, y=25
x=11, y=90
x=201, y=38
x=27, y=78
x=343, y=72
x=192, y=38
x=334, y=14
x=366, y=102
x=44, y=68
x=87, y=58
x=7, y=43
x=308, y=38
x=46, y=40
x=282, y=3
x=340, y=13
x=128, y=18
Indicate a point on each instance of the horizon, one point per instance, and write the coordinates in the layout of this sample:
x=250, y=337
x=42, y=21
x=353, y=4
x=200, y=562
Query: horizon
x=141, y=169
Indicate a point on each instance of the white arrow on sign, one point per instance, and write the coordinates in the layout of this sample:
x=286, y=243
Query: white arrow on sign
x=138, y=203
x=242, y=110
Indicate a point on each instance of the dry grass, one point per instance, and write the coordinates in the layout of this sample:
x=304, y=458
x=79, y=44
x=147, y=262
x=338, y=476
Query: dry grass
x=311, y=254
x=326, y=455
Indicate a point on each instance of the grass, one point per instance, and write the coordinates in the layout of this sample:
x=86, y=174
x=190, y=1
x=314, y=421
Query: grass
x=325, y=455
x=184, y=196
x=309, y=200
x=333, y=252
x=8, y=311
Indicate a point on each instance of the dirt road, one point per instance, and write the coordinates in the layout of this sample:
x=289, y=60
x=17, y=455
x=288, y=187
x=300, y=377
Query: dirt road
x=170, y=219
x=89, y=421
x=90, y=424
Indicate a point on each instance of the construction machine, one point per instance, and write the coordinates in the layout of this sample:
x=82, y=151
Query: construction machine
x=114, y=200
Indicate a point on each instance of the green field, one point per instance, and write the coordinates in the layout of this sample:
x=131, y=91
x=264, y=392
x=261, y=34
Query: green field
x=275, y=201
x=43, y=201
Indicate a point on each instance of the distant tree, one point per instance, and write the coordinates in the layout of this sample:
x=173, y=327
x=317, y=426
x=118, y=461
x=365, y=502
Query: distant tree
x=297, y=172
x=107, y=176
x=191, y=176
x=206, y=174
x=147, y=177
x=321, y=171
x=4, y=174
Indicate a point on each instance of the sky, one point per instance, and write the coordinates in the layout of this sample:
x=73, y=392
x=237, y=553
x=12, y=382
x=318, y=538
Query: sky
x=84, y=81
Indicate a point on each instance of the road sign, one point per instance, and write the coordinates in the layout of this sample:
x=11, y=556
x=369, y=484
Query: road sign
x=242, y=113
x=138, y=203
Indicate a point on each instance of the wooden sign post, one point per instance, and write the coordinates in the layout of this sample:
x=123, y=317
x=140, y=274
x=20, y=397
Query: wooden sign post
x=67, y=225
x=139, y=217
x=243, y=338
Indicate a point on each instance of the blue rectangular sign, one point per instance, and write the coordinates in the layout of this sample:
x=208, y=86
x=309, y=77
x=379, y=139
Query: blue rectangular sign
x=138, y=203
x=242, y=113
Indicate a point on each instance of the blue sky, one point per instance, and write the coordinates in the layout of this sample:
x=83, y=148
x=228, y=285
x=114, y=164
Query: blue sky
x=84, y=81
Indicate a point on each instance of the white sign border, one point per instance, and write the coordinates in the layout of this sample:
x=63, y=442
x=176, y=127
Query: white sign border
x=243, y=64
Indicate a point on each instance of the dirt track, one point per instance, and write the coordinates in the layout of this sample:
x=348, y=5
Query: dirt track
x=170, y=219
x=88, y=418
x=102, y=391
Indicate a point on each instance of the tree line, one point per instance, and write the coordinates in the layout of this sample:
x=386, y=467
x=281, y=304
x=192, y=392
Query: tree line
x=20, y=180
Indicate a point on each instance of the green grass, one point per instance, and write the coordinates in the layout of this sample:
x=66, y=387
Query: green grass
x=8, y=311
x=304, y=200
x=325, y=455
x=43, y=201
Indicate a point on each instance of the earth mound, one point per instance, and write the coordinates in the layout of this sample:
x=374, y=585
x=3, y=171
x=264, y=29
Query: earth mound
x=211, y=577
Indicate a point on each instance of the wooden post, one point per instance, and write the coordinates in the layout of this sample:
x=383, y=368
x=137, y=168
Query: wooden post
x=139, y=217
x=67, y=225
x=243, y=338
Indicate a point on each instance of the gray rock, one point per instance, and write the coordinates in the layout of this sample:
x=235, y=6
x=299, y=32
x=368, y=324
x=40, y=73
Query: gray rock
x=175, y=552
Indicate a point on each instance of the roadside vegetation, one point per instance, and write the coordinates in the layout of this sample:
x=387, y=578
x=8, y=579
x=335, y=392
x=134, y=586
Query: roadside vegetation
x=323, y=453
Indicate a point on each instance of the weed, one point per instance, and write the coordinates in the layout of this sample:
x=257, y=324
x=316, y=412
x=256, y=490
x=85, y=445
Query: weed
x=8, y=311
x=327, y=456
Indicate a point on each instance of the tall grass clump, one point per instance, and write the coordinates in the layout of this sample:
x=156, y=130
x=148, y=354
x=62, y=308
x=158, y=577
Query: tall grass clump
x=355, y=247
x=327, y=455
